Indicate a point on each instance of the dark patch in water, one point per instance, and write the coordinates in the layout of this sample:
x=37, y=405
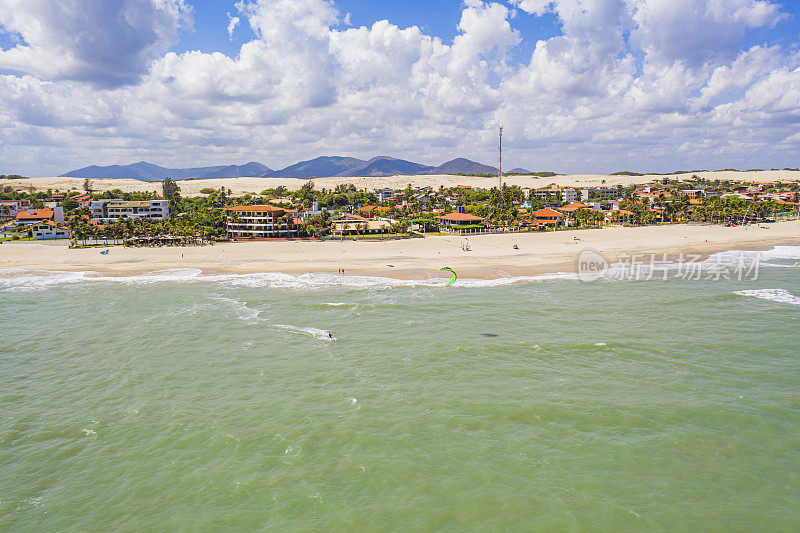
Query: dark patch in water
x=487, y=335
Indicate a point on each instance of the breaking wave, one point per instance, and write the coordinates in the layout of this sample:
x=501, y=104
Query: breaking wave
x=32, y=280
x=774, y=295
x=317, y=333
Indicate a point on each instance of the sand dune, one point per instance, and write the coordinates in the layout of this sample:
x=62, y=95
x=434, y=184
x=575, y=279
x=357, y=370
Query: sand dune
x=239, y=186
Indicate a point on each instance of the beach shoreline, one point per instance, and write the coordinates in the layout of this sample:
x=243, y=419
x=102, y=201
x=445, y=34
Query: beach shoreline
x=490, y=256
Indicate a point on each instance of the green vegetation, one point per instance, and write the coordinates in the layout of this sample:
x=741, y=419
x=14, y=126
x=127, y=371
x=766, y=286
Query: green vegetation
x=625, y=173
x=170, y=189
x=535, y=174
x=203, y=219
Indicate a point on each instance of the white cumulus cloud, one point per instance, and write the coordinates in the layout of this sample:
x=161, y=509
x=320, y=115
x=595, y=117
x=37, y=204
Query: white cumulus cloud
x=649, y=84
x=105, y=43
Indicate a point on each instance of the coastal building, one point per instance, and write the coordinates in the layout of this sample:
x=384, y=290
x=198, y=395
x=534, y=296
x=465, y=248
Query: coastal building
x=35, y=216
x=571, y=194
x=10, y=208
x=48, y=230
x=113, y=209
x=571, y=208
x=259, y=222
x=384, y=194
x=546, y=216
x=459, y=220
x=544, y=192
x=604, y=193
x=349, y=224
x=82, y=199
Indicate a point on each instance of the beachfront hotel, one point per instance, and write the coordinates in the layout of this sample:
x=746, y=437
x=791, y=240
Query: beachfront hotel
x=113, y=209
x=259, y=222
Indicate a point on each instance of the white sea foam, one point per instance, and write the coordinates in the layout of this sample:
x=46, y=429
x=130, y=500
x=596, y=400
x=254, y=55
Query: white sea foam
x=321, y=281
x=734, y=263
x=248, y=314
x=781, y=252
x=313, y=332
x=31, y=280
x=774, y=295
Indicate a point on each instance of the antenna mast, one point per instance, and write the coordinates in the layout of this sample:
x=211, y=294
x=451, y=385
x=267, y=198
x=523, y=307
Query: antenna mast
x=500, y=173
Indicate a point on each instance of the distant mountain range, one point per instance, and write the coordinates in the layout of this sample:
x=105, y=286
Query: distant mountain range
x=148, y=172
x=320, y=167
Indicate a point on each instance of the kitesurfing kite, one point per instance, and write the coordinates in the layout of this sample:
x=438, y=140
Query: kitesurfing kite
x=453, y=279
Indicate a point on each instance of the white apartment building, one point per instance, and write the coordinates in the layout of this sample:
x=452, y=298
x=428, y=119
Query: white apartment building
x=568, y=194
x=259, y=222
x=10, y=208
x=48, y=230
x=384, y=194
x=114, y=209
x=605, y=193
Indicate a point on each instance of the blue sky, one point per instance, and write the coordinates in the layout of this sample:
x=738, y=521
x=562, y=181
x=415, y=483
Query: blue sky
x=435, y=17
x=580, y=85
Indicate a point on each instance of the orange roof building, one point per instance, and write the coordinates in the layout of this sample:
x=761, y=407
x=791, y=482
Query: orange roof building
x=459, y=219
x=546, y=216
x=570, y=208
x=28, y=216
x=259, y=222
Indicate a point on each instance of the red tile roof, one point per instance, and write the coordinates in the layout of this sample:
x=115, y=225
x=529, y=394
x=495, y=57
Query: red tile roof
x=263, y=208
x=547, y=213
x=460, y=217
x=569, y=208
x=37, y=214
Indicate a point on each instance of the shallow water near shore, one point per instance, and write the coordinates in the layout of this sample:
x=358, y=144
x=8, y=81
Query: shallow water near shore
x=542, y=403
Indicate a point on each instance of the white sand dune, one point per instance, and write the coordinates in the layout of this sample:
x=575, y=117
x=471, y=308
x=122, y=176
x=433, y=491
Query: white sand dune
x=239, y=186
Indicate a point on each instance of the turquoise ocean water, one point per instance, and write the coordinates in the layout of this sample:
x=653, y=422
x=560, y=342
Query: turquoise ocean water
x=182, y=401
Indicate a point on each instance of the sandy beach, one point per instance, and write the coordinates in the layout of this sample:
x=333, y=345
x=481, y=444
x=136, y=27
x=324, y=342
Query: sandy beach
x=240, y=186
x=491, y=256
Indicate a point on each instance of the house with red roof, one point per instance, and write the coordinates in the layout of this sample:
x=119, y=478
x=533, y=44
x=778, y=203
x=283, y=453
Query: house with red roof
x=546, y=216
x=48, y=230
x=571, y=208
x=459, y=221
x=259, y=222
x=34, y=216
